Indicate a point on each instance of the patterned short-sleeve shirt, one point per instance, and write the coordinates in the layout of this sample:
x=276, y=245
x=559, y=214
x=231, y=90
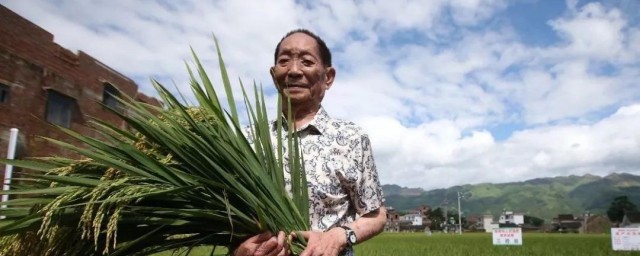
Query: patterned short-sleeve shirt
x=341, y=173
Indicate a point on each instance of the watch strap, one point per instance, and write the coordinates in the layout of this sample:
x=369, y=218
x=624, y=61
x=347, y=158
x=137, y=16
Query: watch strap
x=349, y=234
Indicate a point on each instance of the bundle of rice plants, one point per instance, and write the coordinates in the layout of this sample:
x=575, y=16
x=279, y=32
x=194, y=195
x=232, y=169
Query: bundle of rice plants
x=180, y=176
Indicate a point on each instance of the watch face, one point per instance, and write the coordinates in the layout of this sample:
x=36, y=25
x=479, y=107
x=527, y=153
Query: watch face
x=352, y=238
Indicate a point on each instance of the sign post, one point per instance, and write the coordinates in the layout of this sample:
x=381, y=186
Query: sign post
x=8, y=171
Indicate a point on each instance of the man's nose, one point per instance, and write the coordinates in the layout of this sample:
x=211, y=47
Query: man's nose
x=294, y=69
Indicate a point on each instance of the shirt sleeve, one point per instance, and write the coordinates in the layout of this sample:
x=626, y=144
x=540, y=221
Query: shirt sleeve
x=367, y=194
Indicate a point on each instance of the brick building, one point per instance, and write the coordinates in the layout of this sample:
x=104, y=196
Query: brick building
x=42, y=83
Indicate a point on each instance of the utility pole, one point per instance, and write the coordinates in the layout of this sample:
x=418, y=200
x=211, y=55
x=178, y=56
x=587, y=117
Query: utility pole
x=445, y=223
x=586, y=221
x=446, y=209
x=459, y=215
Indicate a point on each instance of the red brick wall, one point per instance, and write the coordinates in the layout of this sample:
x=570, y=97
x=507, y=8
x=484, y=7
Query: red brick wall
x=32, y=64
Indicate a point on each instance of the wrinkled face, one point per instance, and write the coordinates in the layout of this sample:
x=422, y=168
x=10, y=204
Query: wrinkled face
x=300, y=72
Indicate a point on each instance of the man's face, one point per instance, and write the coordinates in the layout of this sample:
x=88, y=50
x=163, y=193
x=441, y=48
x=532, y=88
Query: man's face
x=300, y=72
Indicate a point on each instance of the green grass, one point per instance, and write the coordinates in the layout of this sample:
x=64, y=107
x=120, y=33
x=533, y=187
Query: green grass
x=534, y=244
x=197, y=251
x=480, y=244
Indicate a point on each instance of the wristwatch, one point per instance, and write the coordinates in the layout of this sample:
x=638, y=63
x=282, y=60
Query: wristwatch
x=351, y=235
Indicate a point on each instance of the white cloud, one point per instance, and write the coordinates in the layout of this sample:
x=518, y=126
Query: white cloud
x=567, y=90
x=564, y=81
x=403, y=152
x=403, y=14
x=592, y=32
x=570, y=147
x=470, y=12
x=632, y=54
x=437, y=154
x=427, y=79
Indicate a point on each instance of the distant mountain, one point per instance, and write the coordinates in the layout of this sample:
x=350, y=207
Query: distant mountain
x=544, y=197
x=402, y=191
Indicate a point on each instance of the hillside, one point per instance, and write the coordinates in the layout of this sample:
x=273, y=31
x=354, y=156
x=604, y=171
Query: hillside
x=544, y=197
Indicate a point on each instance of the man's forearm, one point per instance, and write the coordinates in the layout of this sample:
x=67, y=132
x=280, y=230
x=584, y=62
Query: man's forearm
x=370, y=224
x=334, y=240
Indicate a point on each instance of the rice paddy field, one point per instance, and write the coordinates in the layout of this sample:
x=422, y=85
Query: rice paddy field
x=534, y=244
x=481, y=244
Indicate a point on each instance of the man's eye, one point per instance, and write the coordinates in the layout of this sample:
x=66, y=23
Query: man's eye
x=283, y=61
x=307, y=63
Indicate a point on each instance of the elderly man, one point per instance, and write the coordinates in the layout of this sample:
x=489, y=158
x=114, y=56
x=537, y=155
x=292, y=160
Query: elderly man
x=346, y=201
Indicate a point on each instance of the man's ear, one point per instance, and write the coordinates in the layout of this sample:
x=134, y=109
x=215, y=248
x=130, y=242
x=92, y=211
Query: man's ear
x=272, y=71
x=329, y=76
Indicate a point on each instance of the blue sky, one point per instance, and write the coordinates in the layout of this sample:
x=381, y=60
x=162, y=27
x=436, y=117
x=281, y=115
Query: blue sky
x=451, y=91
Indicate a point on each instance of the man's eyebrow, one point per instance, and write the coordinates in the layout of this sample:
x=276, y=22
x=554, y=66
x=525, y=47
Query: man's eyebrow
x=288, y=51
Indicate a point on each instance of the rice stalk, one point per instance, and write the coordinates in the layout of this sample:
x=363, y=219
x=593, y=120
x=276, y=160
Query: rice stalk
x=181, y=177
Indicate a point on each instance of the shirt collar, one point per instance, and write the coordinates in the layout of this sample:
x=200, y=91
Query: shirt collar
x=318, y=124
x=320, y=121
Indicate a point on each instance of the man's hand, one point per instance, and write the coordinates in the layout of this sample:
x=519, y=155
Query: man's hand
x=329, y=243
x=265, y=244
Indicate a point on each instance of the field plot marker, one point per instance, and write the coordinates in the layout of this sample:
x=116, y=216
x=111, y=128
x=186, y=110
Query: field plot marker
x=507, y=236
x=625, y=239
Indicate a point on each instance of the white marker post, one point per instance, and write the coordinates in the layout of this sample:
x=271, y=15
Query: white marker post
x=8, y=171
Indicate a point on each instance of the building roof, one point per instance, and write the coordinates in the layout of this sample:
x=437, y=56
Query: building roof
x=562, y=217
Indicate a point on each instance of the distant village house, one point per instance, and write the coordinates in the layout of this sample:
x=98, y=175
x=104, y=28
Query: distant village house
x=414, y=221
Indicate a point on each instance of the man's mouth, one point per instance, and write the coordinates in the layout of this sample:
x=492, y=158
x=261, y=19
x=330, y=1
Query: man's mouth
x=294, y=85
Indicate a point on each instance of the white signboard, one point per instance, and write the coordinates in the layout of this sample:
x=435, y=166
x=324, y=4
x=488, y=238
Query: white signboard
x=625, y=239
x=507, y=236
